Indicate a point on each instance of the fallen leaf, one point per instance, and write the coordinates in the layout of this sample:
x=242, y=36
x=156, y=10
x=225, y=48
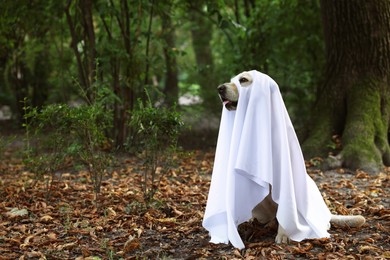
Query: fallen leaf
x=66, y=246
x=368, y=249
x=26, y=242
x=52, y=236
x=131, y=244
x=38, y=254
x=15, y=212
x=386, y=254
x=166, y=220
x=46, y=219
x=111, y=212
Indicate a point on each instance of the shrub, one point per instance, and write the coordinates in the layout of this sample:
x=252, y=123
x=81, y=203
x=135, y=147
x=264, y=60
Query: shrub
x=64, y=135
x=156, y=131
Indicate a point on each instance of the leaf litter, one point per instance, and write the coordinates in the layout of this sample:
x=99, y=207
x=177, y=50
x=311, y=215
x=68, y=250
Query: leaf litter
x=69, y=225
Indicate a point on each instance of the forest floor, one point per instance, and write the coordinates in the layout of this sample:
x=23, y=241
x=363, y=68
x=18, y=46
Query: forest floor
x=68, y=222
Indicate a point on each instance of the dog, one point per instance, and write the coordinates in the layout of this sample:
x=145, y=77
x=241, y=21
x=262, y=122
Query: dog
x=265, y=211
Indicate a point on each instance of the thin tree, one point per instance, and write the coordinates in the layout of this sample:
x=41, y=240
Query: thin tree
x=86, y=58
x=353, y=103
x=171, y=88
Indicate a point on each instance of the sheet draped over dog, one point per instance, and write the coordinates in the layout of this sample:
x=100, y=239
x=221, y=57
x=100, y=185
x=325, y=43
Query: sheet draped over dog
x=257, y=146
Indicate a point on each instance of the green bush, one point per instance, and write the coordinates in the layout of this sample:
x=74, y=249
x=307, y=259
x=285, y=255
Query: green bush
x=155, y=135
x=60, y=136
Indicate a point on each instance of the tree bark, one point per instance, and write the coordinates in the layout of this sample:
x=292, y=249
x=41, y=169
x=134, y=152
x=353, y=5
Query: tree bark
x=17, y=76
x=201, y=42
x=171, y=88
x=73, y=44
x=353, y=102
x=86, y=59
x=39, y=82
x=90, y=44
x=123, y=88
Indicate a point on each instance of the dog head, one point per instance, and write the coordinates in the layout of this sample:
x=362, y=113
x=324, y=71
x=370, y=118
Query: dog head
x=228, y=92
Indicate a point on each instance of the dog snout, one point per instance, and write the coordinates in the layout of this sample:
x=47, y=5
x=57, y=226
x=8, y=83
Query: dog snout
x=221, y=89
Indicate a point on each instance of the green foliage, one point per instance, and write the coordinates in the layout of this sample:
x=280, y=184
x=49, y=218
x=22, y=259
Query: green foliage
x=156, y=131
x=40, y=52
x=59, y=135
x=33, y=53
x=281, y=38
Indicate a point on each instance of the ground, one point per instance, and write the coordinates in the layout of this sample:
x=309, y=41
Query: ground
x=68, y=222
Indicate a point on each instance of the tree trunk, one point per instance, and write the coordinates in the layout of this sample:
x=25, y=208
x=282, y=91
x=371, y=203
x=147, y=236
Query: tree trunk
x=201, y=40
x=86, y=59
x=39, y=82
x=171, y=88
x=122, y=73
x=17, y=76
x=90, y=45
x=353, y=103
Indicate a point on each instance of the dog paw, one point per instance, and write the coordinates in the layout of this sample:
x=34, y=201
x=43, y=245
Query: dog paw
x=281, y=237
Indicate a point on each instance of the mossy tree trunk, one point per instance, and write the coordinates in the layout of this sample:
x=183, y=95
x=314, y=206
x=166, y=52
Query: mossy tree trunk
x=354, y=101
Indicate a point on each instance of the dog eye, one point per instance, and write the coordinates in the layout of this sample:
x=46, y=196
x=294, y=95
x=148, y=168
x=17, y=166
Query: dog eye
x=243, y=80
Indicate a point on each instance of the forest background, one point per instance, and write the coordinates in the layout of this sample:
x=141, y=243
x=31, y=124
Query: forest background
x=177, y=51
x=109, y=120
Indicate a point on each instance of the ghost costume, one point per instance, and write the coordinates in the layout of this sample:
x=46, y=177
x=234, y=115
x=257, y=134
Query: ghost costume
x=257, y=147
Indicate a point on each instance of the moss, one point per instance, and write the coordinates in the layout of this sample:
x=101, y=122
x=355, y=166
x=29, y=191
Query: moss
x=319, y=141
x=361, y=117
x=321, y=129
x=365, y=133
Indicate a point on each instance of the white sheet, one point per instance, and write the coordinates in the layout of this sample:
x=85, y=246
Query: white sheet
x=257, y=146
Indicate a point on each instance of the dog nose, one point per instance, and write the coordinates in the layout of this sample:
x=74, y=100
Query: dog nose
x=221, y=89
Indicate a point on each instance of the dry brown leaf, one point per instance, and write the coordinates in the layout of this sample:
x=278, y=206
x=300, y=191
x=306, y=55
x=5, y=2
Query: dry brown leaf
x=361, y=175
x=34, y=254
x=67, y=246
x=237, y=253
x=24, y=246
x=46, y=219
x=368, y=249
x=52, y=236
x=386, y=255
x=176, y=211
x=111, y=212
x=131, y=244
